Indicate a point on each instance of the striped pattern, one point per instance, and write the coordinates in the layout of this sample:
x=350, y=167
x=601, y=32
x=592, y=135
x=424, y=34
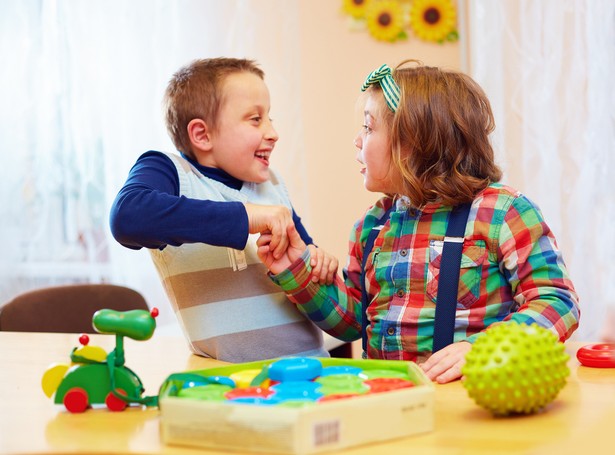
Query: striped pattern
x=235, y=316
x=390, y=89
x=511, y=270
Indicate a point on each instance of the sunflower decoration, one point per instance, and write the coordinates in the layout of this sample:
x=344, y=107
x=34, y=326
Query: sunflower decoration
x=388, y=20
x=355, y=8
x=434, y=20
x=385, y=20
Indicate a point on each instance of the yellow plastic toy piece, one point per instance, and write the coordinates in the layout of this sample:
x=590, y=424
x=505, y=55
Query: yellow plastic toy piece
x=95, y=353
x=52, y=378
x=243, y=378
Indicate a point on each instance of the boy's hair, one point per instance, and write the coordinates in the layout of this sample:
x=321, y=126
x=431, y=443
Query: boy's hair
x=440, y=135
x=194, y=93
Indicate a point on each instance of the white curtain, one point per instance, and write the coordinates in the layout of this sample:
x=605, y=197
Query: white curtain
x=81, y=83
x=548, y=68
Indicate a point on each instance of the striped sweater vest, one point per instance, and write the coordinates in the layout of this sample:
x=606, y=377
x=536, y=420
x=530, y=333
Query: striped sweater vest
x=235, y=316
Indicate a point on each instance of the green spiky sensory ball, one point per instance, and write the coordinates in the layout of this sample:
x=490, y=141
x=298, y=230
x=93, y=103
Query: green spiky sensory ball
x=515, y=369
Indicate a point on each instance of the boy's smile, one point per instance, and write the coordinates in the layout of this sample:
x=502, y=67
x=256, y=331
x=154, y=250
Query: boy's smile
x=263, y=155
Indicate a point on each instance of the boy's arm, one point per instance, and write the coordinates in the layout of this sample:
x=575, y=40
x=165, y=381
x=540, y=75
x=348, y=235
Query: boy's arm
x=301, y=229
x=148, y=211
x=271, y=219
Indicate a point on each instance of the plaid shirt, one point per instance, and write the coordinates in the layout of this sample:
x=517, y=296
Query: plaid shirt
x=511, y=269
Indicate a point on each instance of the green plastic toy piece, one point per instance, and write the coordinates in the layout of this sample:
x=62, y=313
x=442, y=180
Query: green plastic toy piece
x=135, y=324
x=212, y=392
x=96, y=381
x=342, y=384
x=515, y=369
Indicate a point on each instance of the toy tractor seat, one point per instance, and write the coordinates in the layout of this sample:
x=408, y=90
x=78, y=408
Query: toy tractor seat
x=136, y=324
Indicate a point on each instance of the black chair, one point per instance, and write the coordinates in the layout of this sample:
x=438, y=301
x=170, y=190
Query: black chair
x=66, y=309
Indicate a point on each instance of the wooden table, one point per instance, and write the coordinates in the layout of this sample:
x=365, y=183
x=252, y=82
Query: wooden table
x=580, y=421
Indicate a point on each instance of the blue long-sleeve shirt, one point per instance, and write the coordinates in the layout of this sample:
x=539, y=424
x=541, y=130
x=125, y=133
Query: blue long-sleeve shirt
x=149, y=212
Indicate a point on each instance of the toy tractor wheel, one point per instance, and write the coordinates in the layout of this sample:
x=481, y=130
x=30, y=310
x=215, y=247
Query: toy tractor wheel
x=114, y=403
x=76, y=400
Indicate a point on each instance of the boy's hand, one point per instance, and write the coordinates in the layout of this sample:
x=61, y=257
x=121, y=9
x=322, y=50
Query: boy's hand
x=294, y=251
x=324, y=265
x=272, y=219
x=445, y=365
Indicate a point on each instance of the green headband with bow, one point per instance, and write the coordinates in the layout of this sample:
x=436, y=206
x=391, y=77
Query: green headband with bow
x=390, y=89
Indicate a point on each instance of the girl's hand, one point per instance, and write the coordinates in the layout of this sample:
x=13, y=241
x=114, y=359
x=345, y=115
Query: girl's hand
x=294, y=251
x=324, y=265
x=445, y=365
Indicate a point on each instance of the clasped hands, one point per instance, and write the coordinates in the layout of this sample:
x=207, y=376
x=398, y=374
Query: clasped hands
x=279, y=244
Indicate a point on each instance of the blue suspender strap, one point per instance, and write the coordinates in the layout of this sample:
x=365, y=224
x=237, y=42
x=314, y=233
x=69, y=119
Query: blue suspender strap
x=369, y=243
x=448, y=281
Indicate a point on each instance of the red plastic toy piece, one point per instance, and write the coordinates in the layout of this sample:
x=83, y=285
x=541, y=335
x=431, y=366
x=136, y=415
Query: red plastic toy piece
x=379, y=385
x=600, y=355
x=248, y=392
x=76, y=400
x=84, y=339
x=114, y=403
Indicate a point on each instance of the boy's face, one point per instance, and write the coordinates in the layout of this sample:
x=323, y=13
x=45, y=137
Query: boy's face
x=375, y=149
x=244, y=137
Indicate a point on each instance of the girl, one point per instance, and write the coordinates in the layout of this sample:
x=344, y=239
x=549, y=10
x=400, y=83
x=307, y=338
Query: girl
x=425, y=145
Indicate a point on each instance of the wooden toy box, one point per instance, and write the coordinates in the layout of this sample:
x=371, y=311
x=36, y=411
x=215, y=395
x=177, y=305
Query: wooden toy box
x=318, y=427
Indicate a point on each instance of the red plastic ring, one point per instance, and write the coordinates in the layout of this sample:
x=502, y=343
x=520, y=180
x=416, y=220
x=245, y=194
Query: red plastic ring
x=600, y=355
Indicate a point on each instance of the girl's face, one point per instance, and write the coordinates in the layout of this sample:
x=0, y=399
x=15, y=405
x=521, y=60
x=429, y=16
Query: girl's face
x=244, y=138
x=375, y=149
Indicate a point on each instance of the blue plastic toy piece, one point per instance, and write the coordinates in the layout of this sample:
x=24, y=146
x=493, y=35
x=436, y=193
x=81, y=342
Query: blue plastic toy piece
x=295, y=369
x=292, y=390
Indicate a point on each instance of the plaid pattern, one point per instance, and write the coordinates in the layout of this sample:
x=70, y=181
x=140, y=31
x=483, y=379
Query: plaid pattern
x=511, y=269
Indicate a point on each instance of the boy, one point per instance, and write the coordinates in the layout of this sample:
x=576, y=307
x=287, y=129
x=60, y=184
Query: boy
x=194, y=213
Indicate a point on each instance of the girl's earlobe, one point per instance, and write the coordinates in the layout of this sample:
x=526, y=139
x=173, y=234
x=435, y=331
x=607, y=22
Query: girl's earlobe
x=199, y=134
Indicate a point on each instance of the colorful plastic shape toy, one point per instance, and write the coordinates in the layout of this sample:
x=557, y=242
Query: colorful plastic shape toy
x=600, y=355
x=290, y=381
x=515, y=369
x=95, y=377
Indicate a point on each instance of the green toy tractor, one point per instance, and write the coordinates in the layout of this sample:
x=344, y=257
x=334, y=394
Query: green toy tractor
x=97, y=378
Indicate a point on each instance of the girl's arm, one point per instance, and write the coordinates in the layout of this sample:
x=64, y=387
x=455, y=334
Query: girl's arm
x=535, y=269
x=335, y=308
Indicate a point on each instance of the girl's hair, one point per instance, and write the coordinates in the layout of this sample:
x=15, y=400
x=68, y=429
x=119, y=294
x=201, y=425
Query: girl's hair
x=440, y=135
x=194, y=92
